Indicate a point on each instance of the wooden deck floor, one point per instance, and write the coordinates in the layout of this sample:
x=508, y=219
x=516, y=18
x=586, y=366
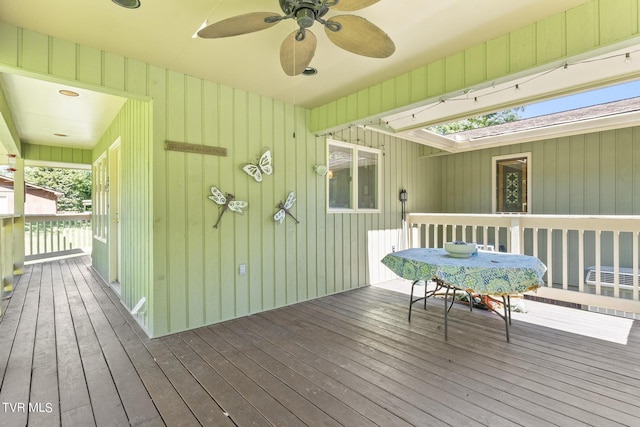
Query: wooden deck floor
x=71, y=355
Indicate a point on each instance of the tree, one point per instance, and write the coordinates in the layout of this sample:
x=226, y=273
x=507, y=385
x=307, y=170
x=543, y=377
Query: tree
x=74, y=183
x=490, y=119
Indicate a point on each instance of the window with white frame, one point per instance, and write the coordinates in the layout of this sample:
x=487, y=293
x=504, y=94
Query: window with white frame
x=512, y=183
x=353, y=178
x=101, y=193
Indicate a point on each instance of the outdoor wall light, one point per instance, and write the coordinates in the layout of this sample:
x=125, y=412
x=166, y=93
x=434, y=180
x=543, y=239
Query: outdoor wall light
x=320, y=170
x=129, y=4
x=404, y=196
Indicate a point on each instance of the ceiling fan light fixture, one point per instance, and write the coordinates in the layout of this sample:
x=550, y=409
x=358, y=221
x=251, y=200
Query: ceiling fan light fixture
x=129, y=4
x=67, y=92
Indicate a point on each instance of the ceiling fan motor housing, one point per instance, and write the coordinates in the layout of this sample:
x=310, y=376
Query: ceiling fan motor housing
x=305, y=11
x=305, y=17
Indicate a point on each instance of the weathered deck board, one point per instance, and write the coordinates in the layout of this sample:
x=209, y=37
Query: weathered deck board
x=44, y=375
x=129, y=386
x=492, y=351
x=17, y=378
x=347, y=359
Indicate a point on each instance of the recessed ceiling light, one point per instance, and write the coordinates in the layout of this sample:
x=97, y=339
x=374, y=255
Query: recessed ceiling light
x=62, y=135
x=67, y=92
x=129, y=4
x=310, y=71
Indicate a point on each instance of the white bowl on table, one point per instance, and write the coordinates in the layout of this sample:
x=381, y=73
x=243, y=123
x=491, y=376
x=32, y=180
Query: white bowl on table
x=460, y=249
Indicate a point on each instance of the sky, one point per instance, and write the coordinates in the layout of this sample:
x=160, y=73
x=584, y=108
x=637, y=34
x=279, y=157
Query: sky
x=594, y=97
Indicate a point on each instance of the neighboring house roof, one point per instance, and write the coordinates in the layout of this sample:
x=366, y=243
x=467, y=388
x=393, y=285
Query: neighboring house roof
x=7, y=182
x=599, y=111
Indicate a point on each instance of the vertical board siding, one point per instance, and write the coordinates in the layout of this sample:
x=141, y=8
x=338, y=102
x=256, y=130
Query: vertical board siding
x=34, y=53
x=592, y=174
x=176, y=207
x=63, y=59
x=618, y=20
x=159, y=316
x=195, y=202
x=132, y=126
x=597, y=24
x=211, y=175
x=43, y=153
x=286, y=263
x=582, y=20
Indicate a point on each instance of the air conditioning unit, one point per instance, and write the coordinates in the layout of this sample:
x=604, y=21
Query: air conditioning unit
x=607, y=277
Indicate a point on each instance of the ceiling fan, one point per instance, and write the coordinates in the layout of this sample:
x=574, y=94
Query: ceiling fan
x=352, y=33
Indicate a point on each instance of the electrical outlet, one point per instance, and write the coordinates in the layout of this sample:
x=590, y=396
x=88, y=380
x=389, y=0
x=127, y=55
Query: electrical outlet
x=242, y=269
x=393, y=248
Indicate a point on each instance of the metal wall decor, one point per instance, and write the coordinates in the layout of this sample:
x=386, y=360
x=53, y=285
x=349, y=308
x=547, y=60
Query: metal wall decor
x=227, y=202
x=284, y=209
x=263, y=167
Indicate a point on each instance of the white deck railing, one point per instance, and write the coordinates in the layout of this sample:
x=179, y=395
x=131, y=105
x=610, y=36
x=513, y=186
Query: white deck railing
x=51, y=235
x=570, y=246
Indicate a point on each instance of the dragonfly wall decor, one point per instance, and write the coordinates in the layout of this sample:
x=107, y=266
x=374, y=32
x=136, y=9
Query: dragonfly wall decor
x=227, y=202
x=284, y=209
x=263, y=167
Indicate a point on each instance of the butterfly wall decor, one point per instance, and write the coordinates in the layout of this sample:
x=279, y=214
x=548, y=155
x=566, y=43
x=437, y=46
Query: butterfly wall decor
x=284, y=209
x=263, y=167
x=227, y=202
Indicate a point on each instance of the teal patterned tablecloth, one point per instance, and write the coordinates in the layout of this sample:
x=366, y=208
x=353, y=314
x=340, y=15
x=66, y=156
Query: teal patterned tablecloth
x=487, y=273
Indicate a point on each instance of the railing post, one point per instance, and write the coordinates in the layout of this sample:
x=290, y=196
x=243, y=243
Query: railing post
x=514, y=231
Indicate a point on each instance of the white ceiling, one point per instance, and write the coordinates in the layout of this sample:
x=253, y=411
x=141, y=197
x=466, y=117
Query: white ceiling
x=44, y=116
x=160, y=33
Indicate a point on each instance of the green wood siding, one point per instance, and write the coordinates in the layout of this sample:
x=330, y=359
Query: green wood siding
x=45, y=153
x=132, y=128
x=593, y=25
x=591, y=174
x=172, y=255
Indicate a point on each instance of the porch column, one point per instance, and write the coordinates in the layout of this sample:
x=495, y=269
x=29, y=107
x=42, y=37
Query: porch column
x=18, y=220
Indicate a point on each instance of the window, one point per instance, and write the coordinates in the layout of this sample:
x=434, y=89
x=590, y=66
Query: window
x=100, y=192
x=512, y=183
x=354, y=178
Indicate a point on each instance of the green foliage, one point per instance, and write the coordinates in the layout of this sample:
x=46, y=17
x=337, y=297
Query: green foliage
x=74, y=183
x=491, y=119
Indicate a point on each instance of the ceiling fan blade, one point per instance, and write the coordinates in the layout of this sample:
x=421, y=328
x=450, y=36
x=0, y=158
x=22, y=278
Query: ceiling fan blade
x=296, y=55
x=237, y=25
x=350, y=5
x=361, y=37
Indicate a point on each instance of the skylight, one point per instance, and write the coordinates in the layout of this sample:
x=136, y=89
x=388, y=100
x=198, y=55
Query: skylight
x=584, y=99
x=553, y=107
